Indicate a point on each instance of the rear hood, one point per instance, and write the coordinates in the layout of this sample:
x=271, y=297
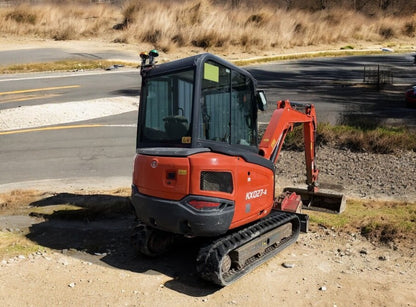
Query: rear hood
x=161, y=176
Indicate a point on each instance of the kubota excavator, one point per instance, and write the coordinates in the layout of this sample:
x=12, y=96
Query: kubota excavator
x=200, y=172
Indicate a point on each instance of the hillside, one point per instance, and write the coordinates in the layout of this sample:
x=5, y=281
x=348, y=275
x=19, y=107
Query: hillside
x=255, y=27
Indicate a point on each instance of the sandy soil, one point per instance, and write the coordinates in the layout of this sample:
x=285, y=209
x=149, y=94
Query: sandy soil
x=90, y=261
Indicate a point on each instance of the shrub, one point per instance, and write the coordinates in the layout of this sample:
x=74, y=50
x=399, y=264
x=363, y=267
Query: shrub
x=64, y=33
x=205, y=41
x=152, y=36
x=386, y=32
x=409, y=29
x=246, y=25
x=23, y=15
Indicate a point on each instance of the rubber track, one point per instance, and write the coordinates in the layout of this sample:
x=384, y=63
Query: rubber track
x=208, y=263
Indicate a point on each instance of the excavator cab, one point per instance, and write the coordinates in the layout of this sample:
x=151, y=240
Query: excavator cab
x=197, y=150
x=200, y=171
x=198, y=102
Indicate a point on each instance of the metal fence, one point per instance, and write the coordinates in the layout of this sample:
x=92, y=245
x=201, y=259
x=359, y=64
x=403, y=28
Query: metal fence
x=377, y=75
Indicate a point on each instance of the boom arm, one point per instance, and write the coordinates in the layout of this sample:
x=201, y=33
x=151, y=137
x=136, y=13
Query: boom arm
x=282, y=121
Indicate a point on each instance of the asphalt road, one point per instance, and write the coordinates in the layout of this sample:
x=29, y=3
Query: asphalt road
x=335, y=87
x=90, y=150
x=41, y=88
x=103, y=148
x=104, y=151
x=45, y=55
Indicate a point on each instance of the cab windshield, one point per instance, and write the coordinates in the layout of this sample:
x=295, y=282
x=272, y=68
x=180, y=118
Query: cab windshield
x=167, y=107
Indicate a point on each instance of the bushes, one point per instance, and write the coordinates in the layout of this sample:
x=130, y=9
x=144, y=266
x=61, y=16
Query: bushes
x=204, y=24
x=375, y=140
x=22, y=15
x=60, y=22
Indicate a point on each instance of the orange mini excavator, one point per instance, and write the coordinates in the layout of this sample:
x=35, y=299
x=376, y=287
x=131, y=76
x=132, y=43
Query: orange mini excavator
x=200, y=172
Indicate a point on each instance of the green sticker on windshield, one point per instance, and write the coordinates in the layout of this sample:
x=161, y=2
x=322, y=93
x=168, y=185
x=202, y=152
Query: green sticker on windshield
x=211, y=72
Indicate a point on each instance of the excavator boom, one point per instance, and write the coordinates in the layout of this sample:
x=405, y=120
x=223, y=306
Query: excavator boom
x=282, y=122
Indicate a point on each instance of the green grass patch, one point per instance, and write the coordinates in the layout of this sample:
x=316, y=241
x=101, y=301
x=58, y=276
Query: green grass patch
x=56, y=206
x=64, y=65
x=81, y=206
x=52, y=210
x=381, y=220
x=14, y=244
x=358, y=138
x=22, y=202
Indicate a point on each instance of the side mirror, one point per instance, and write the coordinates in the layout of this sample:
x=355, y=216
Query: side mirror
x=261, y=100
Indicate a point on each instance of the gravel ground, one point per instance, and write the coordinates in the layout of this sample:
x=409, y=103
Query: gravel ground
x=357, y=175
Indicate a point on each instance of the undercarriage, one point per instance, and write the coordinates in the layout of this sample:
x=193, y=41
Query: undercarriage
x=229, y=257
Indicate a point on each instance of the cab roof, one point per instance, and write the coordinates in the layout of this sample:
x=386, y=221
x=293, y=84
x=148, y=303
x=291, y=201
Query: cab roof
x=192, y=62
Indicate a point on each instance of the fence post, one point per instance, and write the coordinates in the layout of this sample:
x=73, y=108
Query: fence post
x=378, y=77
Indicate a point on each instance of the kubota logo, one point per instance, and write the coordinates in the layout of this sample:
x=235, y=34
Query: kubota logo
x=256, y=194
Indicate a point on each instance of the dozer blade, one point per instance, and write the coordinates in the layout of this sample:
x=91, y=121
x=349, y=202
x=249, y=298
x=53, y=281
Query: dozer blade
x=320, y=201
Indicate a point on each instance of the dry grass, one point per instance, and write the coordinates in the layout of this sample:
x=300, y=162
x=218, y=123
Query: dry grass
x=63, y=65
x=17, y=201
x=203, y=24
x=59, y=22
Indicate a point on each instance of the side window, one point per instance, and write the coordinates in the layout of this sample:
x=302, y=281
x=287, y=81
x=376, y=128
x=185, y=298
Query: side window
x=243, y=119
x=215, y=103
x=227, y=111
x=158, y=103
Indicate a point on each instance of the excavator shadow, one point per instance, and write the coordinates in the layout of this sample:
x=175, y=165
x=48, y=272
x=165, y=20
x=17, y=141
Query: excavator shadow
x=100, y=234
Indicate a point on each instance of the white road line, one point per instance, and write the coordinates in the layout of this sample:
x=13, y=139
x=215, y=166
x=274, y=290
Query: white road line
x=54, y=128
x=68, y=75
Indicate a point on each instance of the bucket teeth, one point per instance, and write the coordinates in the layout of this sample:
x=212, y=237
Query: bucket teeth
x=320, y=201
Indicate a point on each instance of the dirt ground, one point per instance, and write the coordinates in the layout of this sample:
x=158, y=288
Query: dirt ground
x=92, y=264
x=88, y=260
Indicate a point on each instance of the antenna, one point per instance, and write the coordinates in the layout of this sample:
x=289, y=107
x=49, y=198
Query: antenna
x=148, y=56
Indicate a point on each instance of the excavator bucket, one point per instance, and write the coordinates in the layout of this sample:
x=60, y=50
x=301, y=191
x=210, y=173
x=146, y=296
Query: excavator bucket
x=320, y=201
